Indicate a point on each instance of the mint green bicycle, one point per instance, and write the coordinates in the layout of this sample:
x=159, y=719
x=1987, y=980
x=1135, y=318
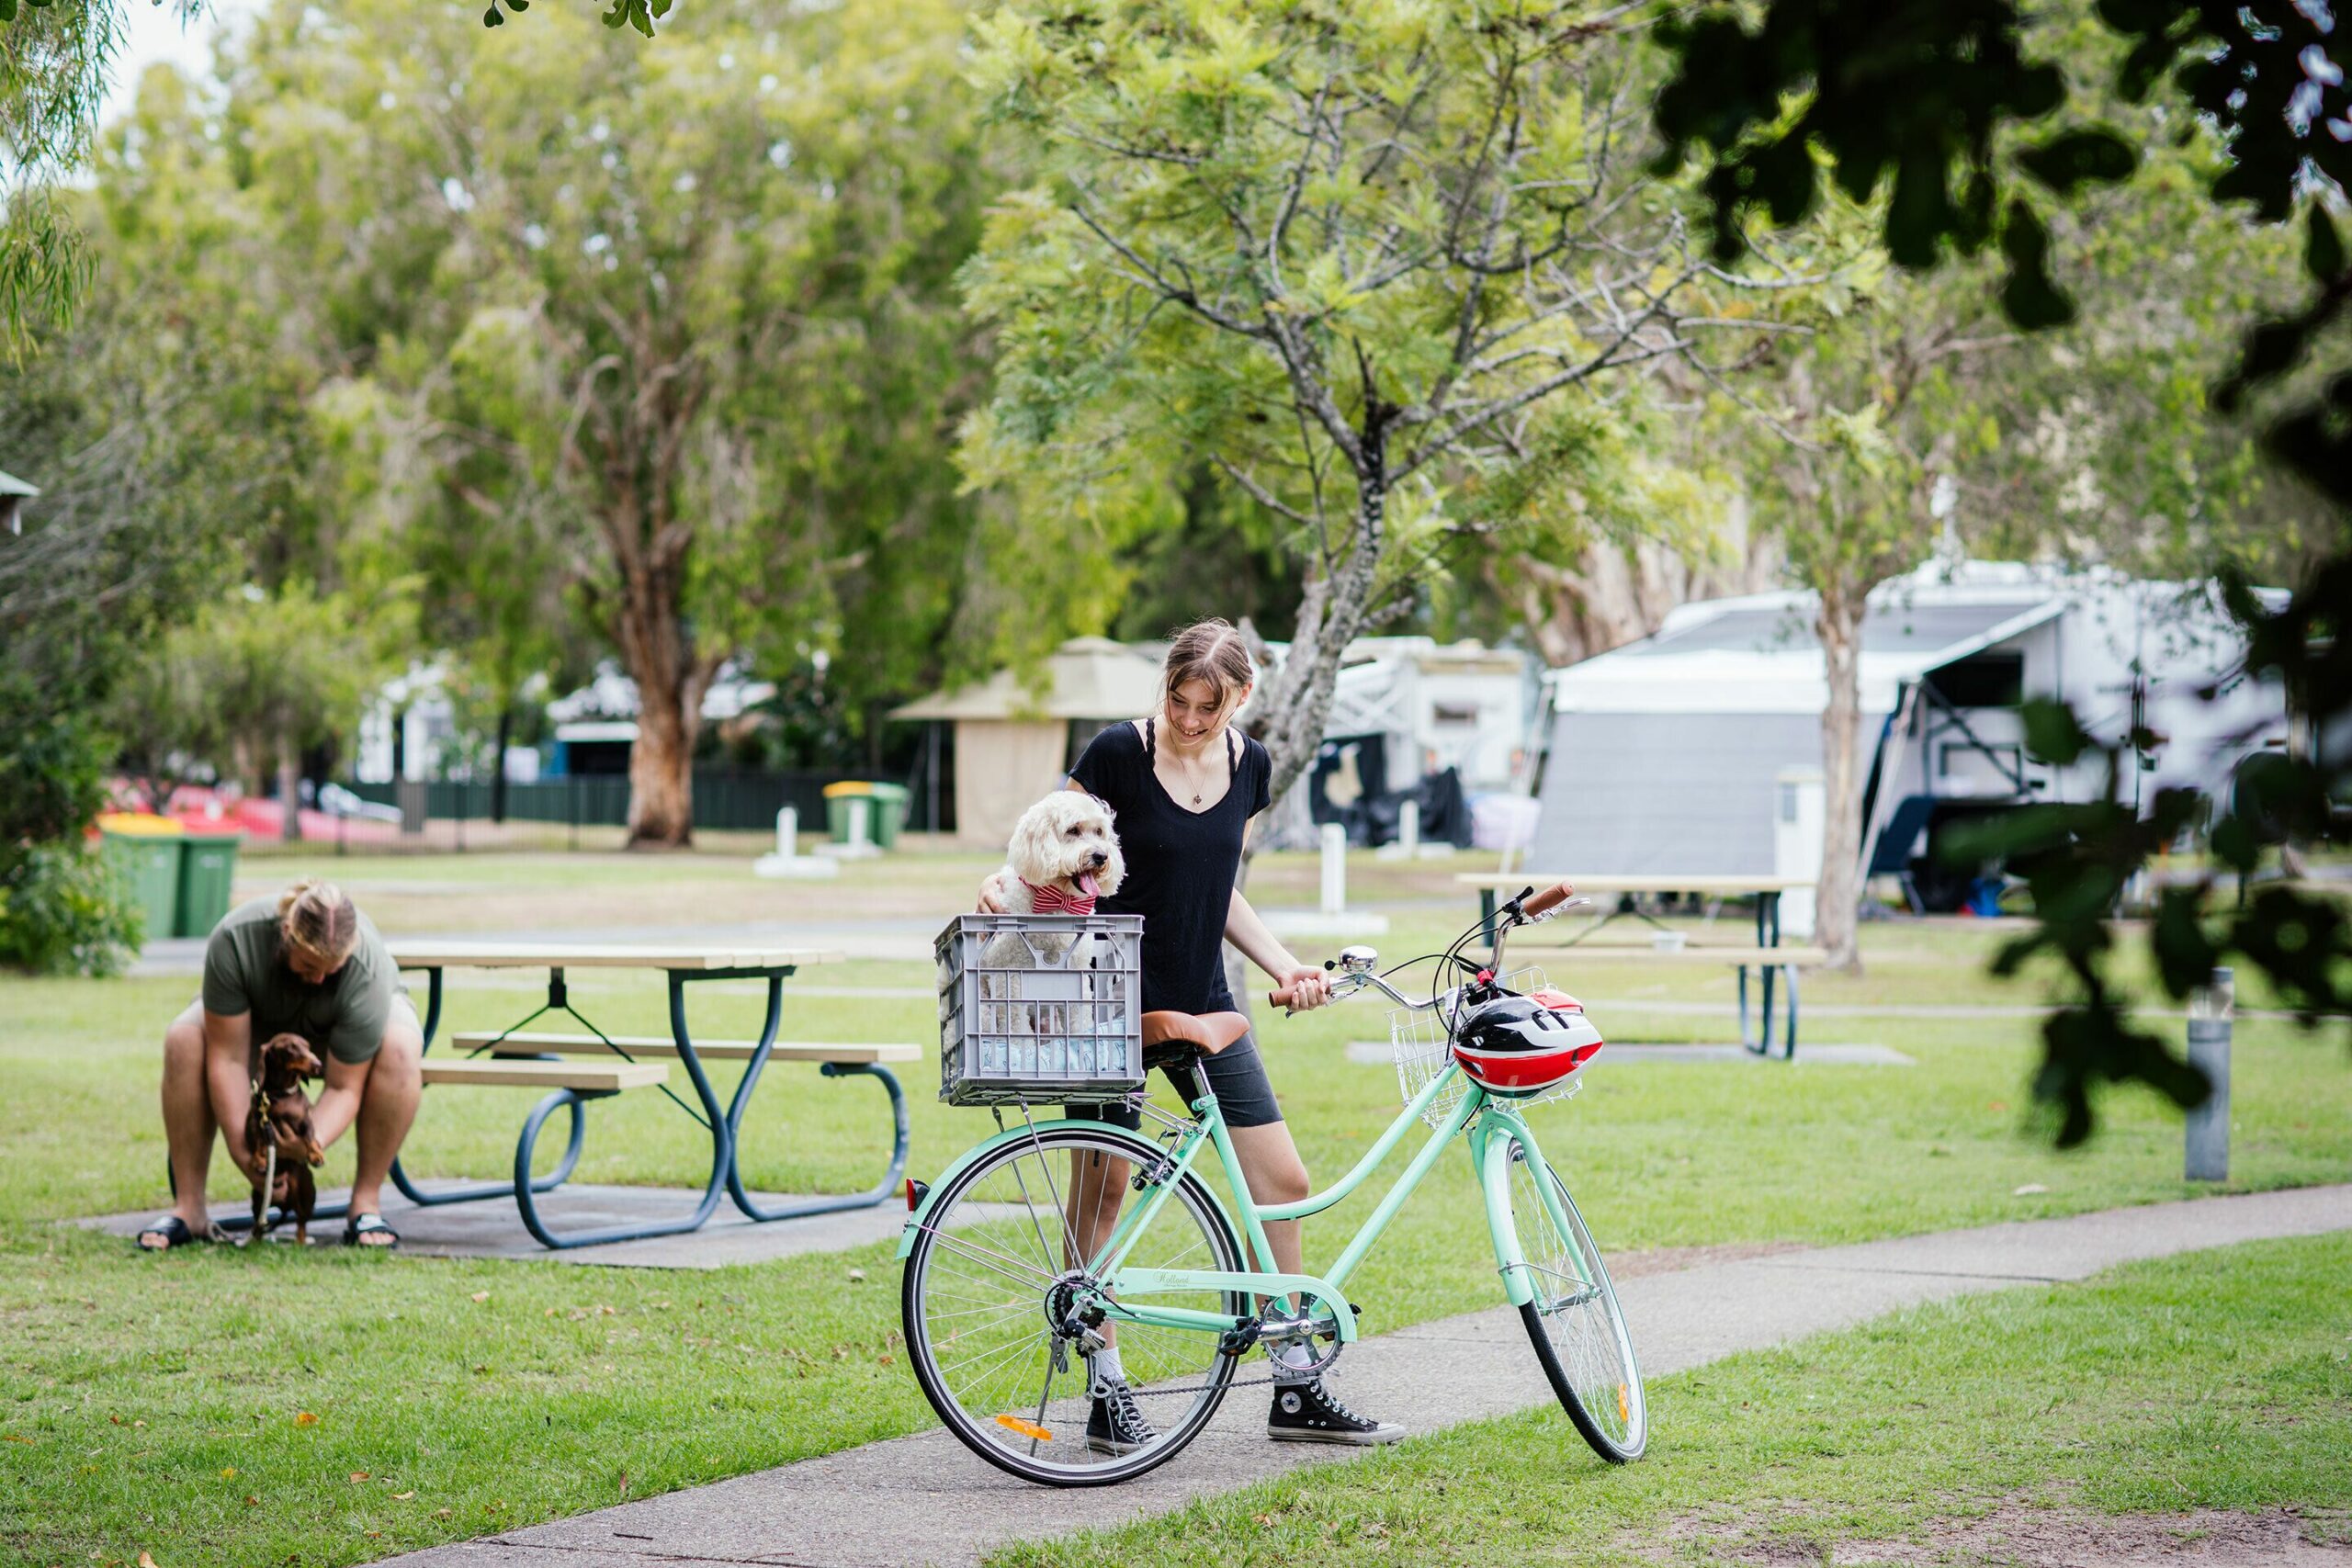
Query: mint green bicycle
x=1024, y=1258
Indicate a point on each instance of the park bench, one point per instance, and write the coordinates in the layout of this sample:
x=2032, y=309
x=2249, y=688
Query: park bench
x=539, y=1059
x=583, y=1077
x=616, y=1064
x=1776, y=966
x=823, y=1053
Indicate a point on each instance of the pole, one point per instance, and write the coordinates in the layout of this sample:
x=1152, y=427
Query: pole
x=2205, y=1154
x=1335, y=868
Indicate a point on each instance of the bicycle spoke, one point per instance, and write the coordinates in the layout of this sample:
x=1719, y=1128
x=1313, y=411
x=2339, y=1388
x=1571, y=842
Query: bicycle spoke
x=1005, y=1381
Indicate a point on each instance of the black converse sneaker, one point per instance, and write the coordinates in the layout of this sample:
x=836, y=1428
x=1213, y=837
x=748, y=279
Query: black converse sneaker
x=1115, y=1426
x=1307, y=1413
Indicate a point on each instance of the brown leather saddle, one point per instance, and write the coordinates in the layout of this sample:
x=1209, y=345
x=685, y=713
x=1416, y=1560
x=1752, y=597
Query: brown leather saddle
x=1175, y=1036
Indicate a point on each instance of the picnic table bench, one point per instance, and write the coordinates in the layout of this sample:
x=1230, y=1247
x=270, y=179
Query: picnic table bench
x=576, y=1068
x=1771, y=959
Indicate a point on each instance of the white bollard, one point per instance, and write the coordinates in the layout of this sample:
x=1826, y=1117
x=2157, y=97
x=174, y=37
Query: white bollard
x=861, y=834
x=1408, y=829
x=1335, y=868
x=787, y=860
x=2206, y=1153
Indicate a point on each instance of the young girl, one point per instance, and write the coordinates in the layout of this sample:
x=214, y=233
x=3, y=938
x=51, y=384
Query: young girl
x=1183, y=786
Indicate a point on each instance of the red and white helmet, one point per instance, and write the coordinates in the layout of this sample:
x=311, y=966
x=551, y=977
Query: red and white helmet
x=1522, y=1044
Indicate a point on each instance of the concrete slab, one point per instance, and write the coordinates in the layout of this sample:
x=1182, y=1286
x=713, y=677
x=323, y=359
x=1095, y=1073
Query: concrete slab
x=925, y=1500
x=1375, y=1053
x=492, y=1228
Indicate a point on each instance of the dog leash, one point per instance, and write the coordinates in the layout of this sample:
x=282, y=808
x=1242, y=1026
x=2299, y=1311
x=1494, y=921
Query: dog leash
x=269, y=1166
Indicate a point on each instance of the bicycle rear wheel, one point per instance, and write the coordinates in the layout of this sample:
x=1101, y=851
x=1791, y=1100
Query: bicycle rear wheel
x=988, y=1286
x=1574, y=1320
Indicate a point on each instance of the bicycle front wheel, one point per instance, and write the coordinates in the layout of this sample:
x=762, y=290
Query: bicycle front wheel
x=986, y=1301
x=1574, y=1319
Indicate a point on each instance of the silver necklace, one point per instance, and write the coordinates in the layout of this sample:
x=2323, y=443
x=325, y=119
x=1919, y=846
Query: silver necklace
x=1190, y=778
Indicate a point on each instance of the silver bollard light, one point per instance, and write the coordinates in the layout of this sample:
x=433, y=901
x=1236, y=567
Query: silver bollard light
x=2207, y=1152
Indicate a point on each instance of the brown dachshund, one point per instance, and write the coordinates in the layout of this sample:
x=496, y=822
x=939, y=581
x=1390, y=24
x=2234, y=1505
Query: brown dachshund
x=279, y=1119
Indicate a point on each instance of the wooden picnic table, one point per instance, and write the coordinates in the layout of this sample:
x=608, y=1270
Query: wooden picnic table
x=1765, y=890
x=512, y=1056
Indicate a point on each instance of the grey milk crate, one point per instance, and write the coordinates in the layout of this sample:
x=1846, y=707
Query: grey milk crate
x=1040, y=1008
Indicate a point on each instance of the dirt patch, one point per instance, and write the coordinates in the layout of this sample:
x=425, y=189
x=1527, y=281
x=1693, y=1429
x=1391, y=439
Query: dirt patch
x=1666, y=1259
x=2018, y=1535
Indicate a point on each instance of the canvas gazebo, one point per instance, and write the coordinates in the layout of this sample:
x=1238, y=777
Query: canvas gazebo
x=1014, y=736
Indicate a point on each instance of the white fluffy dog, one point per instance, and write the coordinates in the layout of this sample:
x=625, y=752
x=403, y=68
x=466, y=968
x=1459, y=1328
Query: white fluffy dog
x=1064, y=855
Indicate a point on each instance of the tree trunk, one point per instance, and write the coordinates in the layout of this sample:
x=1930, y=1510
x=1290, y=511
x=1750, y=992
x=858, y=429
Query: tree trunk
x=661, y=776
x=1839, y=898
x=498, y=762
x=289, y=790
x=1297, y=699
x=653, y=638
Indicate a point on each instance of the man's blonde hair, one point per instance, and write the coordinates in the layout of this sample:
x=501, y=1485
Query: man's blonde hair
x=318, y=921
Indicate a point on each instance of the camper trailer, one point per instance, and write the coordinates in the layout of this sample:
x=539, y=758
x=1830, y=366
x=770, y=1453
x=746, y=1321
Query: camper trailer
x=1674, y=753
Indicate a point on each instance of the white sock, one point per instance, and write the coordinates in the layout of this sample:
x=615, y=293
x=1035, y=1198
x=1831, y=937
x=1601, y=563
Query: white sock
x=1291, y=1363
x=1103, y=1366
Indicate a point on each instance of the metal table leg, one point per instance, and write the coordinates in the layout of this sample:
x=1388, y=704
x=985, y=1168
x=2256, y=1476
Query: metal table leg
x=879, y=1193
x=722, y=1144
x=1768, y=934
x=474, y=1194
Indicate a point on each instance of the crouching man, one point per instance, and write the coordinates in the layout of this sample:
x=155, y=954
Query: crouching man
x=308, y=963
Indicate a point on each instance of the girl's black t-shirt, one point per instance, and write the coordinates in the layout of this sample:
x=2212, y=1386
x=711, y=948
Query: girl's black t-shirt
x=1181, y=864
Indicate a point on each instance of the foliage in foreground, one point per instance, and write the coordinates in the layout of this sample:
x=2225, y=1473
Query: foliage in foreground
x=2218, y=1379
x=1924, y=101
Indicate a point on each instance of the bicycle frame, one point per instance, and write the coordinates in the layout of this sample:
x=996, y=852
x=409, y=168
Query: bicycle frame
x=1127, y=1291
x=1124, y=1292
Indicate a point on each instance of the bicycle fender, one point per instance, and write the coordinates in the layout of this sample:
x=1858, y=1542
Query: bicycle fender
x=1496, y=1131
x=980, y=1151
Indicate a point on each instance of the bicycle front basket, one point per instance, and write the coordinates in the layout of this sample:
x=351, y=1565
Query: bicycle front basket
x=1040, y=1008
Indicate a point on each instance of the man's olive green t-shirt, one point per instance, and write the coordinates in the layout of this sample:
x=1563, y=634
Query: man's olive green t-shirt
x=245, y=972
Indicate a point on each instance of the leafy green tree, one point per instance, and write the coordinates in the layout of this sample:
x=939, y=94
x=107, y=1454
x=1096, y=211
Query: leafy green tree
x=664, y=335
x=271, y=675
x=1391, y=271
x=1940, y=103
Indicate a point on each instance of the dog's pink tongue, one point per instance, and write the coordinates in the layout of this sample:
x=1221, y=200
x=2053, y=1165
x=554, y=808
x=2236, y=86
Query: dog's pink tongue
x=1086, y=884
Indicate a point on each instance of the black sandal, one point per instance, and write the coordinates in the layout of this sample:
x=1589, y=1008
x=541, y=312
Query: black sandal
x=369, y=1224
x=175, y=1232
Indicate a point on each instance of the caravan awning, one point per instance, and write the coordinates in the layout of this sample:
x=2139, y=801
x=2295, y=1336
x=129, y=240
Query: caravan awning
x=1762, y=658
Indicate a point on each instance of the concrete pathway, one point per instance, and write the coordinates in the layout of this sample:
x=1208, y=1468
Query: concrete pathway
x=925, y=1500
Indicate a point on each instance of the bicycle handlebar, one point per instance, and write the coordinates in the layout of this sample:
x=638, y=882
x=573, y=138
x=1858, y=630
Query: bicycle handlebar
x=1551, y=897
x=1282, y=998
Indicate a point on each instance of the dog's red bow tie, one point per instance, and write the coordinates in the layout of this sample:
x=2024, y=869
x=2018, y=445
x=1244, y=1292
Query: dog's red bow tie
x=1051, y=900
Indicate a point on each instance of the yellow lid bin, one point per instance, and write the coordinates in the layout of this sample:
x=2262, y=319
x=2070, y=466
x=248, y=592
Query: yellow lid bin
x=884, y=807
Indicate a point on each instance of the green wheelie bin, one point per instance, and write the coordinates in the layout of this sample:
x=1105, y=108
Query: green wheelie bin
x=208, y=872
x=150, y=863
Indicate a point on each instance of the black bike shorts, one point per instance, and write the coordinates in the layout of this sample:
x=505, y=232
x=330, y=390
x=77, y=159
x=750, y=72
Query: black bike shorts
x=1237, y=1073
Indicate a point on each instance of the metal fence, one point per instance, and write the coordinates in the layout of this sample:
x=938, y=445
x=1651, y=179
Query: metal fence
x=724, y=797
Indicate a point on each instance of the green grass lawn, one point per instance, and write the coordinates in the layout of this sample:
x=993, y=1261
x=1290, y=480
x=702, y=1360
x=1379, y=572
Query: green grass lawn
x=535, y=1402
x=2212, y=1380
